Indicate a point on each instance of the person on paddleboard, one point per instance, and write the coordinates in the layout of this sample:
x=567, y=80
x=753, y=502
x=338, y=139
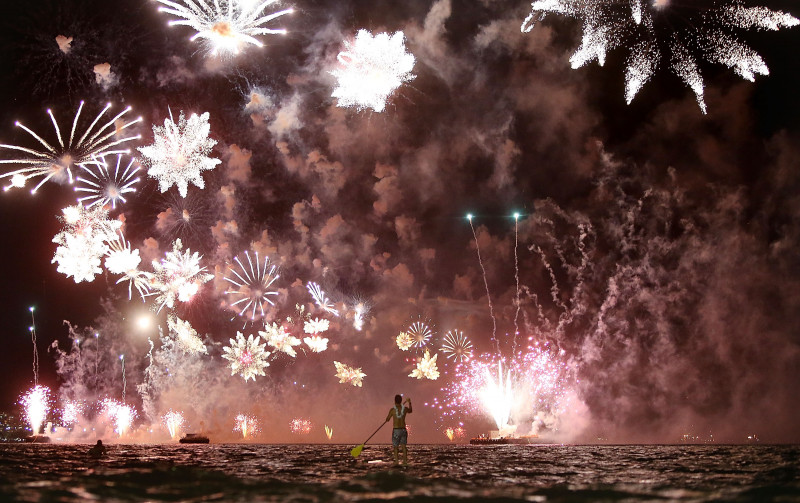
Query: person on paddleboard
x=399, y=432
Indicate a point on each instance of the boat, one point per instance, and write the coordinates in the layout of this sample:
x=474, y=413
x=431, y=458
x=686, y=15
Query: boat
x=511, y=440
x=37, y=439
x=194, y=438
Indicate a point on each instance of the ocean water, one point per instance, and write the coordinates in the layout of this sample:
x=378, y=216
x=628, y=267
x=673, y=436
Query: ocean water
x=312, y=473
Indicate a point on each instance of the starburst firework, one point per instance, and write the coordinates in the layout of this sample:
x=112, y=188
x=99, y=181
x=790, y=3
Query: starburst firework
x=404, y=341
x=180, y=152
x=252, y=283
x=426, y=367
x=659, y=33
x=456, y=346
x=84, y=241
x=348, y=374
x=225, y=25
x=57, y=161
x=248, y=357
x=178, y=276
x=372, y=67
x=105, y=185
x=420, y=332
x=277, y=337
x=121, y=259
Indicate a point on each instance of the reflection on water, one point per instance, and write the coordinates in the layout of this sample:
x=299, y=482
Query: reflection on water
x=242, y=472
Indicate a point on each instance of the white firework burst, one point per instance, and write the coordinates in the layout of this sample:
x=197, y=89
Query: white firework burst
x=84, y=241
x=420, y=332
x=316, y=326
x=348, y=374
x=659, y=33
x=404, y=341
x=426, y=367
x=248, y=357
x=371, y=68
x=121, y=259
x=253, y=288
x=320, y=299
x=178, y=276
x=105, y=185
x=316, y=343
x=277, y=337
x=456, y=346
x=226, y=26
x=186, y=337
x=57, y=161
x=180, y=152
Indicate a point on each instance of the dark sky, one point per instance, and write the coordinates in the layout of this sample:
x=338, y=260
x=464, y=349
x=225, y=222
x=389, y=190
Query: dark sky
x=657, y=246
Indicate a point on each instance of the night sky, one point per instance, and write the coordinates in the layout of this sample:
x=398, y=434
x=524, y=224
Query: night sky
x=657, y=246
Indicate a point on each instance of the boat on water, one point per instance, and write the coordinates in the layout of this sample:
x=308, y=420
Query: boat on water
x=194, y=438
x=510, y=440
x=37, y=439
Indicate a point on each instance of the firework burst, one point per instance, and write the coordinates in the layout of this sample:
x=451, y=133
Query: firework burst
x=252, y=286
x=84, y=241
x=247, y=425
x=426, y=367
x=659, y=33
x=404, y=341
x=226, y=26
x=57, y=161
x=420, y=332
x=456, y=346
x=300, y=426
x=283, y=341
x=120, y=414
x=371, y=68
x=322, y=301
x=348, y=374
x=121, y=259
x=103, y=185
x=36, y=405
x=186, y=337
x=173, y=422
x=180, y=152
x=178, y=276
x=248, y=357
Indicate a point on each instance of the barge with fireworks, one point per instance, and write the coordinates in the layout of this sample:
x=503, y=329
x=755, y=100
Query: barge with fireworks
x=194, y=438
x=526, y=439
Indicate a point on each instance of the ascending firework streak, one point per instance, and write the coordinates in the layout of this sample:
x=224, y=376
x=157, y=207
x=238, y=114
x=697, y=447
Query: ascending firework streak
x=104, y=186
x=225, y=25
x=35, y=350
x=173, y=421
x=253, y=283
x=248, y=425
x=124, y=381
x=57, y=160
x=486, y=284
x=516, y=277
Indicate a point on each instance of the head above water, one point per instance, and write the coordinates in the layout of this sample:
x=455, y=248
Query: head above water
x=99, y=442
x=398, y=399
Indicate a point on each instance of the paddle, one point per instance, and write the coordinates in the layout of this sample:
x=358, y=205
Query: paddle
x=356, y=451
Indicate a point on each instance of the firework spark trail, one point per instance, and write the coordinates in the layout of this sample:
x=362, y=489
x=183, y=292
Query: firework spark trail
x=650, y=31
x=173, y=421
x=104, y=186
x=320, y=299
x=253, y=283
x=486, y=284
x=179, y=152
x=226, y=25
x=35, y=350
x=58, y=160
x=124, y=381
x=36, y=403
x=372, y=67
x=516, y=278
